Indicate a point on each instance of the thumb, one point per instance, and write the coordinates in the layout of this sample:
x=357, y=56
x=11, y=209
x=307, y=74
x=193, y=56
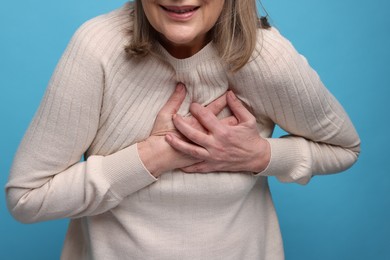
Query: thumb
x=175, y=100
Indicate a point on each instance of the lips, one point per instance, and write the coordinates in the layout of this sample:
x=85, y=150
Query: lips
x=180, y=9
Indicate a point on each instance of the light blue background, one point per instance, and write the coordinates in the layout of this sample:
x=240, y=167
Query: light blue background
x=343, y=216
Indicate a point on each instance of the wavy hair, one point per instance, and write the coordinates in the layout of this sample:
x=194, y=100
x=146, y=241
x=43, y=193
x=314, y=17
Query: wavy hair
x=234, y=33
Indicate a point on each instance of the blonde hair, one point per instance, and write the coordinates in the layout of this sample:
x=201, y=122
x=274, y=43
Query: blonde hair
x=234, y=34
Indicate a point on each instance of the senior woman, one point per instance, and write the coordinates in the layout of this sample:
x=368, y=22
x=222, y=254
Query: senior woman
x=173, y=104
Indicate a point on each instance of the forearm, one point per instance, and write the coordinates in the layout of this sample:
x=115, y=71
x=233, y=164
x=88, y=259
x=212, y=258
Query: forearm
x=295, y=159
x=36, y=193
x=159, y=157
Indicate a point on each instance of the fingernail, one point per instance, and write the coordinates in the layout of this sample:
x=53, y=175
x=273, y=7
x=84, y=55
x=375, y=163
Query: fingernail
x=179, y=86
x=231, y=94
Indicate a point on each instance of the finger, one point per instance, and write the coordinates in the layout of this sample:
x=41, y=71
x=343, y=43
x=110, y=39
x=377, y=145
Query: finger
x=230, y=121
x=238, y=109
x=175, y=100
x=201, y=167
x=205, y=117
x=193, y=122
x=218, y=105
x=191, y=133
x=186, y=148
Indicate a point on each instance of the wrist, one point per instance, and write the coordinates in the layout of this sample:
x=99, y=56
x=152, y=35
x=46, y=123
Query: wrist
x=263, y=157
x=149, y=151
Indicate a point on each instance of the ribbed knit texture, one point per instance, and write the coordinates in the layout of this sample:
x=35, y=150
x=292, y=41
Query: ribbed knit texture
x=100, y=103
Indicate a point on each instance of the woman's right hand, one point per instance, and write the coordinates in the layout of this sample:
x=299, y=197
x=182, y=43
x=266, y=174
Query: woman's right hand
x=156, y=154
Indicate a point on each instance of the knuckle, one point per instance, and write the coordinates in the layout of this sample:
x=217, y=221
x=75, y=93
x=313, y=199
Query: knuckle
x=194, y=153
x=252, y=121
x=225, y=134
x=232, y=121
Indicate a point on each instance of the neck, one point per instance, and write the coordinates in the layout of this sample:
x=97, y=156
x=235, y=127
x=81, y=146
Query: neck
x=183, y=51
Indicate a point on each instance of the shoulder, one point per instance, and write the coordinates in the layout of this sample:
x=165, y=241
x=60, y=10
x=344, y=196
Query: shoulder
x=276, y=63
x=118, y=19
x=105, y=29
x=273, y=52
x=271, y=44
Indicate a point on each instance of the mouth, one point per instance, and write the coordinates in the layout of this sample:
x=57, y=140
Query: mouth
x=180, y=9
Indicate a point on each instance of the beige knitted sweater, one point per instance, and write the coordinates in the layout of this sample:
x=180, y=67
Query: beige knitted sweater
x=100, y=103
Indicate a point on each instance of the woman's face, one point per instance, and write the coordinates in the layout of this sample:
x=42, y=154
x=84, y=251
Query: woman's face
x=183, y=24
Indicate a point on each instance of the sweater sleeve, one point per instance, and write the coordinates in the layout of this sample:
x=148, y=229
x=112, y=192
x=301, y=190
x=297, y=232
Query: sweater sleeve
x=47, y=179
x=321, y=138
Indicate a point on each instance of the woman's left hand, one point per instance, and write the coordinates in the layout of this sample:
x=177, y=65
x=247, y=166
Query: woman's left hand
x=223, y=147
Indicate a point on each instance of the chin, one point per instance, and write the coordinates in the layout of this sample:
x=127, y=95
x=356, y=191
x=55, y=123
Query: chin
x=180, y=41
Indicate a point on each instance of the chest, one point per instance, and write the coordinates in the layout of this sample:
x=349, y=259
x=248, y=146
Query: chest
x=134, y=94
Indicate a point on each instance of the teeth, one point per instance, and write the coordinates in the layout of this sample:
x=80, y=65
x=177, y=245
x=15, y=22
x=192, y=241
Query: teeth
x=180, y=11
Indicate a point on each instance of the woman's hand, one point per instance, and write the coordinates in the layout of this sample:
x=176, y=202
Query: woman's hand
x=156, y=154
x=223, y=146
x=164, y=124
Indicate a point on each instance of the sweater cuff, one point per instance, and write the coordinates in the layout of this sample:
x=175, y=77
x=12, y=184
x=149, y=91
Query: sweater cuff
x=290, y=160
x=125, y=171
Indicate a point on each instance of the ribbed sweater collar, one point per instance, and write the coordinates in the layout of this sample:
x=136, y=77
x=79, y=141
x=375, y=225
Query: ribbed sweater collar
x=206, y=53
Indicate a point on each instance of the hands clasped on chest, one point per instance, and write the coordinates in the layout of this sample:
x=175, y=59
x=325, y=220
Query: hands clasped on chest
x=202, y=142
